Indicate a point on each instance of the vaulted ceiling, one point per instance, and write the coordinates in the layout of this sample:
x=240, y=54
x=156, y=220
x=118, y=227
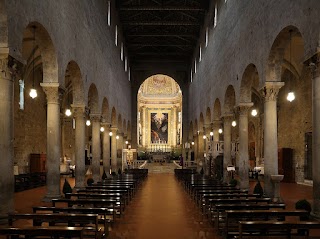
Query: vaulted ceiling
x=161, y=30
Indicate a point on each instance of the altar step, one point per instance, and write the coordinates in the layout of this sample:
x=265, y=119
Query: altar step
x=158, y=168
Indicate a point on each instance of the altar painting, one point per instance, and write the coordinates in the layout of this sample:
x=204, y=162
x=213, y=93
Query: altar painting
x=159, y=128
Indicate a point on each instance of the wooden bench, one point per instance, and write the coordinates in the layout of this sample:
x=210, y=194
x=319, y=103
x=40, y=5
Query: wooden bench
x=117, y=197
x=231, y=225
x=89, y=202
x=89, y=221
x=219, y=209
x=276, y=229
x=47, y=232
x=213, y=202
x=106, y=215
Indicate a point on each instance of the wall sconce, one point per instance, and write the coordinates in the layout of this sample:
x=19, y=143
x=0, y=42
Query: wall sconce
x=127, y=142
x=291, y=96
x=254, y=112
x=68, y=112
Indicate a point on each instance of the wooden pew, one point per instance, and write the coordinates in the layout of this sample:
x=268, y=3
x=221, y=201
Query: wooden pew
x=106, y=215
x=105, y=203
x=48, y=232
x=221, y=208
x=231, y=225
x=89, y=221
x=215, y=201
x=117, y=197
x=276, y=229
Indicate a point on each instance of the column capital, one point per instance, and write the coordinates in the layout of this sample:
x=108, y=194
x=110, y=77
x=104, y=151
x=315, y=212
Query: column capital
x=216, y=124
x=244, y=107
x=114, y=129
x=271, y=89
x=227, y=117
x=78, y=110
x=314, y=65
x=95, y=117
x=52, y=92
x=4, y=69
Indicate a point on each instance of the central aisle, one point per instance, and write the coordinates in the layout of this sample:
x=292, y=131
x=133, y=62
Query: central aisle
x=162, y=209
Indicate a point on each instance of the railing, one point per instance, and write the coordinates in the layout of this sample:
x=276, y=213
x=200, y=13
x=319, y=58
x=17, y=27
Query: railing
x=138, y=163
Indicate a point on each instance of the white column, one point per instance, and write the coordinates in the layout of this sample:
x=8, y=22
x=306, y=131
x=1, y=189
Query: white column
x=6, y=139
x=80, y=118
x=243, y=145
x=227, y=119
x=270, y=91
x=119, y=147
x=114, y=149
x=316, y=136
x=106, y=148
x=53, y=140
x=96, y=146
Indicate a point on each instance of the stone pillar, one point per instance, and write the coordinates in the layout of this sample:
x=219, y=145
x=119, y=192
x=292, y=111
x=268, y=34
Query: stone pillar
x=227, y=119
x=80, y=141
x=106, y=148
x=174, y=122
x=244, y=145
x=200, y=147
x=270, y=144
x=53, y=140
x=96, y=146
x=216, y=136
x=114, y=149
x=6, y=140
x=206, y=141
x=119, y=142
x=316, y=136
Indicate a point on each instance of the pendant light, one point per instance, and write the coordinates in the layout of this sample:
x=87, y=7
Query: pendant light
x=290, y=96
x=68, y=111
x=33, y=92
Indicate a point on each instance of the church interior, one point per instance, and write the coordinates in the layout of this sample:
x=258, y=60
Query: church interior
x=166, y=117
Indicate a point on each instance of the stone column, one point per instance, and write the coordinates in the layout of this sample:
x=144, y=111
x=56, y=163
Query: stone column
x=119, y=147
x=53, y=140
x=316, y=136
x=206, y=142
x=114, y=149
x=200, y=147
x=216, y=136
x=227, y=119
x=6, y=140
x=244, y=145
x=80, y=141
x=270, y=143
x=96, y=146
x=106, y=148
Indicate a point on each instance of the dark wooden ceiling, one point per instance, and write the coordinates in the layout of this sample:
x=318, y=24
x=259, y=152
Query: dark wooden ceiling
x=161, y=30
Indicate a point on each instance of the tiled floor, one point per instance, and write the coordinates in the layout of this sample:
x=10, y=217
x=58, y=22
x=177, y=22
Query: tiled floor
x=161, y=209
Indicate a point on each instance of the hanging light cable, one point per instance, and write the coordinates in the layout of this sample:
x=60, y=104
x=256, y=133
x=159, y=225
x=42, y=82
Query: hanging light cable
x=68, y=111
x=290, y=96
x=33, y=92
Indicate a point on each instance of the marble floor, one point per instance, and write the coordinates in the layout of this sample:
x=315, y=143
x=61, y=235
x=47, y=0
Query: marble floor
x=162, y=209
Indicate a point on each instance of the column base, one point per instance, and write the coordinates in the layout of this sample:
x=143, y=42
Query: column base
x=48, y=198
